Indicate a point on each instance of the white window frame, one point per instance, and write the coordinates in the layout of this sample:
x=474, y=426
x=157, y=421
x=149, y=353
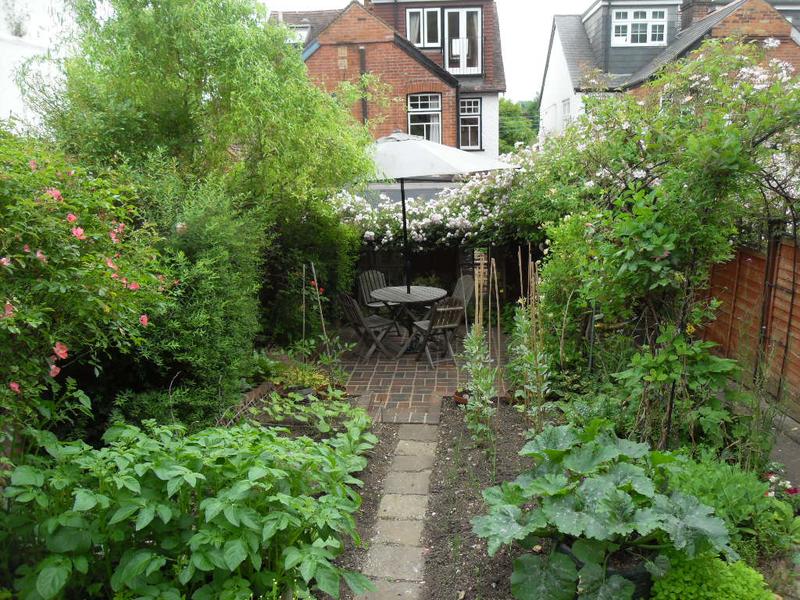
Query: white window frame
x=425, y=41
x=433, y=108
x=566, y=112
x=470, y=108
x=463, y=69
x=623, y=21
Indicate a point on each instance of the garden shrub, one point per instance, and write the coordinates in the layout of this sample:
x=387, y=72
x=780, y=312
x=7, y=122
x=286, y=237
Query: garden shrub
x=709, y=578
x=600, y=495
x=224, y=513
x=212, y=256
x=760, y=525
x=78, y=280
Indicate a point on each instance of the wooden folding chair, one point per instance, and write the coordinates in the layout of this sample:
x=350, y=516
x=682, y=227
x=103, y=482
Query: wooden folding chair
x=368, y=282
x=444, y=320
x=371, y=330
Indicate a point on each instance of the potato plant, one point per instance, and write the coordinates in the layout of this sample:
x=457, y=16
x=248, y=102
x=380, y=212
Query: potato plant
x=224, y=513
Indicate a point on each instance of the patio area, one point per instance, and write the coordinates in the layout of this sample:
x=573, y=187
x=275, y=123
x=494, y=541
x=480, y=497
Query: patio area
x=404, y=389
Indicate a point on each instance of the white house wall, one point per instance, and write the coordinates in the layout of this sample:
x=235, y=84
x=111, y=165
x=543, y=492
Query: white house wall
x=491, y=125
x=557, y=88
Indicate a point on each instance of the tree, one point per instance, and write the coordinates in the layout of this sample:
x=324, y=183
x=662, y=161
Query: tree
x=519, y=122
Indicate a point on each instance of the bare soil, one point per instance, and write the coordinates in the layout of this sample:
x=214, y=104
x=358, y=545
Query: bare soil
x=457, y=566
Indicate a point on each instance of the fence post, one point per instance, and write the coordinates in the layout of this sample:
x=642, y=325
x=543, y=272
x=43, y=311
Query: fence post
x=770, y=272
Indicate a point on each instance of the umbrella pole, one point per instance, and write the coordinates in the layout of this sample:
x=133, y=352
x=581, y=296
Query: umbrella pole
x=406, y=255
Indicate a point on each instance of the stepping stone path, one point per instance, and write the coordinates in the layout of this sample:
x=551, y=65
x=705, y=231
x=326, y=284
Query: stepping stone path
x=395, y=561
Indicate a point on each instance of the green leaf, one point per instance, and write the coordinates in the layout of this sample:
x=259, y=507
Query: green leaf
x=552, y=441
x=563, y=513
x=84, y=500
x=626, y=474
x=164, y=513
x=52, y=579
x=358, y=583
x=589, y=551
x=308, y=567
x=122, y=513
x=504, y=524
x=327, y=580
x=631, y=449
x=544, y=577
x=234, y=552
x=132, y=565
x=256, y=473
x=593, y=585
x=26, y=475
x=547, y=485
x=589, y=457
x=145, y=517
x=81, y=564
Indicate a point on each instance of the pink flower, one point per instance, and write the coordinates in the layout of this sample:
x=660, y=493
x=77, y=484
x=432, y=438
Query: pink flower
x=134, y=286
x=61, y=350
x=110, y=264
x=5, y=261
x=54, y=193
x=41, y=256
x=144, y=320
x=793, y=491
x=26, y=248
x=113, y=237
x=14, y=387
x=8, y=311
x=124, y=280
x=33, y=164
x=71, y=218
x=78, y=233
x=54, y=370
x=71, y=172
x=115, y=276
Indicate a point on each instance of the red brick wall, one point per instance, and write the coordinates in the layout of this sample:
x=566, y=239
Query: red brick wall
x=489, y=12
x=338, y=60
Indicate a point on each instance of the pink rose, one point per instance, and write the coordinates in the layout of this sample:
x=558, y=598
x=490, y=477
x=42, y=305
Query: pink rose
x=54, y=371
x=61, y=350
x=144, y=320
x=33, y=164
x=113, y=237
x=8, y=311
x=5, y=261
x=78, y=233
x=134, y=286
x=54, y=193
x=71, y=218
x=110, y=264
x=41, y=256
x=14, y=387
x=26, y=248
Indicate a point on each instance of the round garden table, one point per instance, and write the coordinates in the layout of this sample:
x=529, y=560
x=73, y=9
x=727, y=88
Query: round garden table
x=399, y=297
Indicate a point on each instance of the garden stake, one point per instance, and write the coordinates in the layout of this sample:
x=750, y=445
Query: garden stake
x=304, y=306
x=319, y=304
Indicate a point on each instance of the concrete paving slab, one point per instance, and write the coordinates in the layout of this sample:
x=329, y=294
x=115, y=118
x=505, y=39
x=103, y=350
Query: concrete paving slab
x=401, y=506
x=412, y=463
x=393, y=590
x=407, y=482
x=412, y=448
x=419, y=433
x=395, y=562
x=402, y=533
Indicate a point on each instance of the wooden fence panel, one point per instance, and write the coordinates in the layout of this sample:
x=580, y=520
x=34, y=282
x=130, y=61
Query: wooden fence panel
x=760, y=316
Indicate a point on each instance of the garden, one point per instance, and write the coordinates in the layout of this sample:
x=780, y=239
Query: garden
x=176, y=421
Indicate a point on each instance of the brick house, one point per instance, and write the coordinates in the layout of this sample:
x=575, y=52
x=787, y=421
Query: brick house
x=623, y=43
x=442, y=63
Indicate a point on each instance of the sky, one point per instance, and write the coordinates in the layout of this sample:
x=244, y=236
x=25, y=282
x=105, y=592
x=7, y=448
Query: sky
x=525, y=29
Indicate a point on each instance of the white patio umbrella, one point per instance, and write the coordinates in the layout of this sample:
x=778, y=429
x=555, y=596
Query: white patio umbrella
x=404, y=157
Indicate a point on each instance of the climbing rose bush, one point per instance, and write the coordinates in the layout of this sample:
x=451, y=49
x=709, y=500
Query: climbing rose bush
x=76, y=278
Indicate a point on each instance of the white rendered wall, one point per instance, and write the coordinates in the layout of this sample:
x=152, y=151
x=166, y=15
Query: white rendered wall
x=557, y=88
x=490, y=124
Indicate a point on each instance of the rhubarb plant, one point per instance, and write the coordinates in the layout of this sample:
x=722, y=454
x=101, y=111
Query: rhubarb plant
x=594, y=494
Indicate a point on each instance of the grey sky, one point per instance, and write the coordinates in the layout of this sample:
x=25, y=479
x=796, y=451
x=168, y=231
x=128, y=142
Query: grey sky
x=525, y=26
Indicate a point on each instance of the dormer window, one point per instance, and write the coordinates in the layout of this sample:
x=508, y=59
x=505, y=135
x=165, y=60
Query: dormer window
x=423, y=27
x=639, y=27
x=299, y=34
x=463, y=34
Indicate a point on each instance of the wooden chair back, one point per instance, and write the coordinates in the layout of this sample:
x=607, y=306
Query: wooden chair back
x=447, y=314
x=464, y=289
x=352, y=311
x=368, y=282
